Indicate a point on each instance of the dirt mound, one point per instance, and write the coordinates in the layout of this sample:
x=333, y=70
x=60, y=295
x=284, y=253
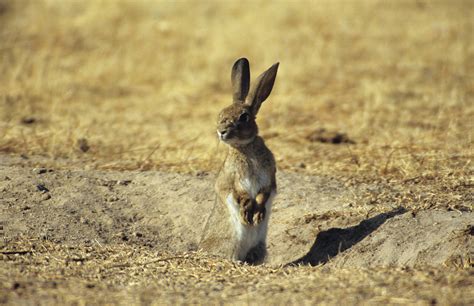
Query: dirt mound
x=313, y=220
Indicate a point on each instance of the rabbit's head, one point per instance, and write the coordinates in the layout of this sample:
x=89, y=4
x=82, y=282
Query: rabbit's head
x=236, y=124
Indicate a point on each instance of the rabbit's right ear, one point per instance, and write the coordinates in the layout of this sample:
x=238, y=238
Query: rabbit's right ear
x=262, y=88
x=240, y=80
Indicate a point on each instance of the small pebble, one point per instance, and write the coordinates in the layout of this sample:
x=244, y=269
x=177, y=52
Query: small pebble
x=16, y=285
x=124, y=182
x=45, y=197
x=112, y=199
x=83, y=145
x=28, y=120
x=42, y=188
x=39, y=170
x=201, y=173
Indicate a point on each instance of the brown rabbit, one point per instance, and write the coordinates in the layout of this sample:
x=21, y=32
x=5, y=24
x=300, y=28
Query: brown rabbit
x=246, y=183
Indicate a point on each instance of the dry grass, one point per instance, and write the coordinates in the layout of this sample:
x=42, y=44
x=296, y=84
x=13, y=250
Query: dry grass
x=142, y=81
x=121, y=274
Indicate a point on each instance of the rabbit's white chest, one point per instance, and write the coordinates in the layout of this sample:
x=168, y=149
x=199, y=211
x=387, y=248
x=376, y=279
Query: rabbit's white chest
x=253, y=185
x=254, y=180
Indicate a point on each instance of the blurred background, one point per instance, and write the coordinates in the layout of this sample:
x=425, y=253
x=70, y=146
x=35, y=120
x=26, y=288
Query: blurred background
x=366, y=89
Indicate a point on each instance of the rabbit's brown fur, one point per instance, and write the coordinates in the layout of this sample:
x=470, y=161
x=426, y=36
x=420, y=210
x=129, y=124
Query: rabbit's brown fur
x=246, y=183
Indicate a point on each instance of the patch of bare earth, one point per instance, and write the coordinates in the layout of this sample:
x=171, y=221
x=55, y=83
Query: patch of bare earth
x=77, y=236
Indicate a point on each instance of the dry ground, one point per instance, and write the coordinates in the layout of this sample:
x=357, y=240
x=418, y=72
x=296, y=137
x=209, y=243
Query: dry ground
x=136, y=85
x=122, y=275
x=143, y=237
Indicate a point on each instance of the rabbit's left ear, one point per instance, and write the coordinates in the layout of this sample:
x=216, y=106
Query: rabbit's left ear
x=262, y=88
x=240, y=78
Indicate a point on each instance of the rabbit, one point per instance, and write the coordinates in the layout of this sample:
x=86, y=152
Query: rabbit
x=246, y=183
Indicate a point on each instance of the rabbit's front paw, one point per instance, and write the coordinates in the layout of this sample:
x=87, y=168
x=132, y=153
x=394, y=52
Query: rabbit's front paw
x=259, y=214
x=260, y=209
x=247, y=209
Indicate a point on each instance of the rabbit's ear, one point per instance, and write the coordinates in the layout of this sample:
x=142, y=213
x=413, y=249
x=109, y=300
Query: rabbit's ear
x=262, y=88
x=240, y=80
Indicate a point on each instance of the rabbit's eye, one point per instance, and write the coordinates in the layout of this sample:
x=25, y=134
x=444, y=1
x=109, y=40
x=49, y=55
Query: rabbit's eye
x=244, y=118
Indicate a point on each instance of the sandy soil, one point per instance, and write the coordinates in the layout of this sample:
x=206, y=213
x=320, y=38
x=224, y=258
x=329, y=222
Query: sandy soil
x=314, y=221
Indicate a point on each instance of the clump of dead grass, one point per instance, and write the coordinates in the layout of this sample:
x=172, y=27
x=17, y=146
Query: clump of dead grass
x=132, y=275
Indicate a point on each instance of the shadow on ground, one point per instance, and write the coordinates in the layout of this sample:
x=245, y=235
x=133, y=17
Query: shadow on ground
x=333, y=241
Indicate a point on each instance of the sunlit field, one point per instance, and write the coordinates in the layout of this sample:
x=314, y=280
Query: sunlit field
x=367, y=92
x=142, y=82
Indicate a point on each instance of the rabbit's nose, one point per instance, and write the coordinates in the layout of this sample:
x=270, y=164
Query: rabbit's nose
x=222, y=133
